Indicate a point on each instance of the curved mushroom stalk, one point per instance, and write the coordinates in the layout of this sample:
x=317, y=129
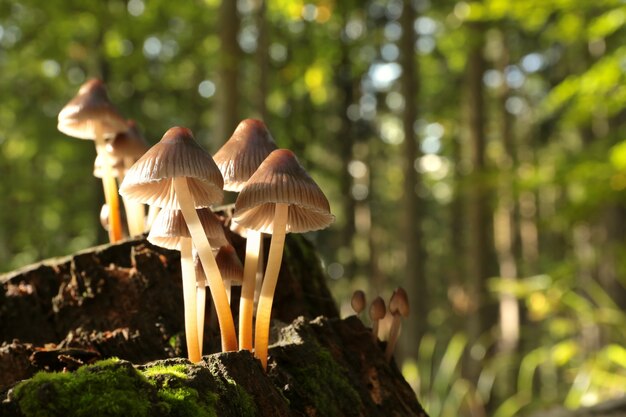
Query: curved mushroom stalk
x=394, y=332
x=259, y=275
x=212, y=272
x=200, y=308
x=109, y=186
x=246, y=304
x=189, y=298
x=264, y=311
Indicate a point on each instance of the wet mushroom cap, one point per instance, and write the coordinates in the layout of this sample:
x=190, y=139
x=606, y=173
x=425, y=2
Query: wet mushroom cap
x=169, y=227
x=89, y=111
x=358, y=301
x=177, y=154
x=399, y=302
x=229, y=264
x=128, y=144
x=242, y=154
x=377, y=309
x=281, y=179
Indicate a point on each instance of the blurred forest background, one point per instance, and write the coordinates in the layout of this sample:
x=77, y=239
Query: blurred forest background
x=473, y=152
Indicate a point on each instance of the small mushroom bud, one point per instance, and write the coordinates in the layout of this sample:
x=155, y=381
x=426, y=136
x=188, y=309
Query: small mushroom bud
x=398, y=307
x=377, y=312
x=358, y=301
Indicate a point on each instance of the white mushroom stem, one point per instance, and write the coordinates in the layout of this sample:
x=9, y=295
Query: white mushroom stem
x=200, y=308
x=393, y=336
x=153, y=212
x=375, y=325
x=110, y=191
x=189, y=299
x=264, y=311
x=212, y=272
x=246, y=304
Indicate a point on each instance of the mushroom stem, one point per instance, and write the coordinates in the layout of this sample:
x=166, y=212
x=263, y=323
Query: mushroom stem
x=259, y=276
x=135, y=217
x=189, y=298
x=246, y=304
x=200, y=307
x=212, y=272
x=153, y=212
x=264, y=311
x=228, y=285
x=393, y=336
x=375, y=331
x=110, y=192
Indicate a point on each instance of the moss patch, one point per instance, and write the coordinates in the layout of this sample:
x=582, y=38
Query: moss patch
x=327, y=387
x=113, y=388
x=242, y=402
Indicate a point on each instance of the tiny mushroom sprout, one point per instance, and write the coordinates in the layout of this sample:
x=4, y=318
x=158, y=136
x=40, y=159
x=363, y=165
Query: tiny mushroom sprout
x=279, y=197
x=90, y=115
x=127, y=147
x=398, y=307
x=238, y=159
x=230, y=267
x=377, y=312
x=178, y=174
x=358, y=301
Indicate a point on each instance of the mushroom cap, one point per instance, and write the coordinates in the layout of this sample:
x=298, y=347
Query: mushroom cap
x=117, y=165
x=229, y=264
x=242, y=154
x=89, y=111
x=377, y=309
x=129, y=144
x=281, y=179
x=177, y=154
x=358, y=301
x=169, y=226
x=399, y=302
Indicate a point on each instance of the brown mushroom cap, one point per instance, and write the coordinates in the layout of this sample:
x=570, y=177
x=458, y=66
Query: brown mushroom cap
x=358, y=301
x=281, y=179
x=177, y=154
x=229, y=264
x=169, y=226
x=129, y=144
x=117, y=165
x=242, y=154
x=399, y=302
x=377, y=309
x=89, y=111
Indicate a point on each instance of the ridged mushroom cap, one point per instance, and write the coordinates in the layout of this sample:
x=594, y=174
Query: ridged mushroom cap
x=358, y=301
x=169, y=226
x=149, y=180
x=128, y=144
x=229, y=264
x=89, y=111
x=377, y=309
x=281, y=179
x=399, y=302
x=242, y=154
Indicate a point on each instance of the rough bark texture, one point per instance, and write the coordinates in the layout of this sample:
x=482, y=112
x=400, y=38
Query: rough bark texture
x=125, y=301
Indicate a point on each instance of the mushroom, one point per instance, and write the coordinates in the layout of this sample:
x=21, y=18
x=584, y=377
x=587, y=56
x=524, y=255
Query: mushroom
x=398, y=307
x=358, y=301
x=170, y=231
x=238, y=159
x=377, y=312
x=280, y=197
x=90, y=115
x=231, y=268
x=127, y=147
x=177, y=173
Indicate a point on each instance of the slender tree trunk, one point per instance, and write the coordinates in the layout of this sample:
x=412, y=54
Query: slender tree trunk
x=261, y=57
x=477, y=218
x=415, y=279
x=228, y=72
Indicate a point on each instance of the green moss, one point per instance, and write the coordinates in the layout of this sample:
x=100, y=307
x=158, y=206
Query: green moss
x=107, y=388
x=327, y=387
x=242, y=402
x=178, y=371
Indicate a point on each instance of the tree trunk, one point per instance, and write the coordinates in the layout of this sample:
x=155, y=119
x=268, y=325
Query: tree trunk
x=415, y=278
x=261, y=57
x=228, y=72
